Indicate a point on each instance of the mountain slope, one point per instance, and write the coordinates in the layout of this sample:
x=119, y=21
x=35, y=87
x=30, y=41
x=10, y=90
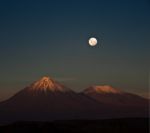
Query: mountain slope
x=47, y=99
x=110, y=95
x=122, y=102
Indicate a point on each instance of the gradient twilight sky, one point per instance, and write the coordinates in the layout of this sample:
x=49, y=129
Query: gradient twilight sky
x=40, y=38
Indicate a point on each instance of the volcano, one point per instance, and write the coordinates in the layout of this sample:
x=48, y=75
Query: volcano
x=47, y=100
x=126, y=104
x=112, y=96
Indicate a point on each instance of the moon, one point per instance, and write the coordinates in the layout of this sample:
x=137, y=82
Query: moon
x=93, y=41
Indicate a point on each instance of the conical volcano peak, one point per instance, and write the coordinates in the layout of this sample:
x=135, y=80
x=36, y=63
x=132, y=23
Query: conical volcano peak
x=44, y=83
x=47, y=84
x=46, y=78
x=102, y=89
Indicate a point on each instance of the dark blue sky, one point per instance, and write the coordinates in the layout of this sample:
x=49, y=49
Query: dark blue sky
x=39, y=38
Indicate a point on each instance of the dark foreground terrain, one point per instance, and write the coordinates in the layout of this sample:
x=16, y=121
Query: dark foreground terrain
x=125, y=125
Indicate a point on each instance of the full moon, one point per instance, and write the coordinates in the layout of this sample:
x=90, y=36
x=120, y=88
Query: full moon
x=92, y=41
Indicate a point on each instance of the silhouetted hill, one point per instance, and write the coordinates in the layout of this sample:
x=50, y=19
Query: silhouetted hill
x=126, y=125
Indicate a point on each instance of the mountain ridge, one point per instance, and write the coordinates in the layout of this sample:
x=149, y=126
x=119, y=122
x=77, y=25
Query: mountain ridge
x=47, y=99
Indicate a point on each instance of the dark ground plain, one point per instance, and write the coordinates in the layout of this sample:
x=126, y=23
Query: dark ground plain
x=122, y=125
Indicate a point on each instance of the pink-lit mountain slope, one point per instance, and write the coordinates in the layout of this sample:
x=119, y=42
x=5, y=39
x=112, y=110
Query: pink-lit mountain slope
x=47, y=99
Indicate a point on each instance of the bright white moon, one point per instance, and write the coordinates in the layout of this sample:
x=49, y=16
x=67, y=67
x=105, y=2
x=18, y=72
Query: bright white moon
x=92, y=41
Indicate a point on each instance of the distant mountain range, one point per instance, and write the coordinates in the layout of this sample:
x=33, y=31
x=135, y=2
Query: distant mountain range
x=47, y=100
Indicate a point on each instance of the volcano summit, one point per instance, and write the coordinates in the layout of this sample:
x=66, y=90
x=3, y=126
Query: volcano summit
x=47, y=84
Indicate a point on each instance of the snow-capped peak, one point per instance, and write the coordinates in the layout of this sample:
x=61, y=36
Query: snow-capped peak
x=102, y=89
x=47, y=84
